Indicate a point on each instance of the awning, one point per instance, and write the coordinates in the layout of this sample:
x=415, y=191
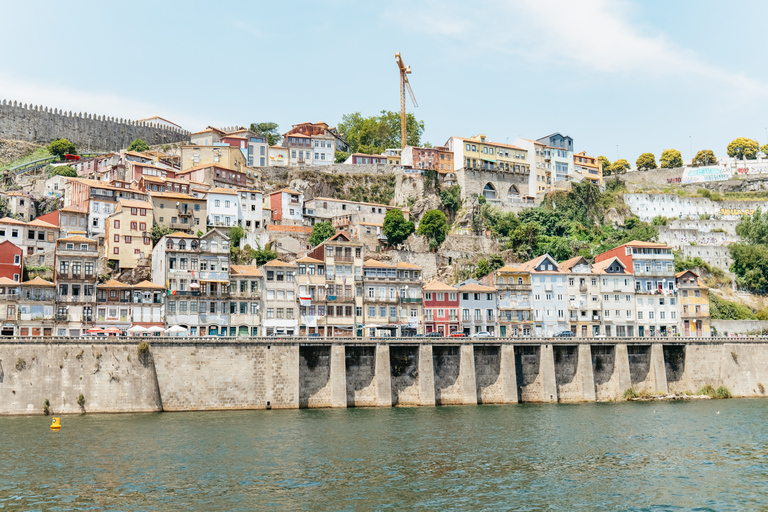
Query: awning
x=214, y=280
x=113, y=330
x=488, y=159
x=95, y=330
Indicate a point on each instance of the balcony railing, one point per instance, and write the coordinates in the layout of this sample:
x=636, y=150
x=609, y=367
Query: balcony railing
x=77, y=298
x=411, y=300
x=60, y=317
x=213, y=276
x=341, y=298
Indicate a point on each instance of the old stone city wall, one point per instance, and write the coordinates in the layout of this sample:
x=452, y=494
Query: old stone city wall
x=37, y=123
x=191, y=375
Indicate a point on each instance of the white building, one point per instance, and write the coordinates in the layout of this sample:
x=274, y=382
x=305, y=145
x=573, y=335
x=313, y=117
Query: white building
x=617, y=297
x=324, y=149
x=561, y=152
x=223, y=207
x=251, y=217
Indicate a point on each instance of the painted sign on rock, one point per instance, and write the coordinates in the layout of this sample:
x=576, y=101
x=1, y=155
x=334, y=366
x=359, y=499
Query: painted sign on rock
x=705, y=174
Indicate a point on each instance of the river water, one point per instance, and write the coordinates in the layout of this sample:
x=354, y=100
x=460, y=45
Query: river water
x=699, y=455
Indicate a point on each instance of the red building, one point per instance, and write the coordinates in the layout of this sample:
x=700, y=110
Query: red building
x=441, y=308
x=11, y=261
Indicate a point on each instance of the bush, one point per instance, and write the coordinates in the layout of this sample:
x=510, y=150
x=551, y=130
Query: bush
x=81, y=400
x=46, y=407
x=630, y=393
x=761, y=388
x=722, y=392
x=143, y=349
x=707, y=390
x=21, y=364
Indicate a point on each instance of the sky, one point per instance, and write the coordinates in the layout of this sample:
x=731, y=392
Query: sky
x=620, y=77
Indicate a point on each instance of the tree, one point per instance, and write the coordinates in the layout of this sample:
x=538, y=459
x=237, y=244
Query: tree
x=764, y=149
x=606, y=163
x=321, y=232
x=138, y=145
x=374, y=134
x=451, y=198
x=396, y=228
x=646, y=161
x=496, y=262
x=158, y=232
x=64, y=170
x=743, y=148
x=268, y=130
x=341, y=156
x=62, y=147
x=482, y=269
x=433, y=227
x=671, y=158
x=705, y=157
x=236, y=233
x=619, y=167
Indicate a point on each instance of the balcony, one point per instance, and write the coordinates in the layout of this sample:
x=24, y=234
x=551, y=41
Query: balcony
x=60, y=317
x=390, y=300
x=582, y=287
x=348, y=259
x=79, y=299
x=214, y=276
x=595, y=318
x=189, y=293
x=341, y=298
x=410, y=300
x=547, y=287
x=695, y=314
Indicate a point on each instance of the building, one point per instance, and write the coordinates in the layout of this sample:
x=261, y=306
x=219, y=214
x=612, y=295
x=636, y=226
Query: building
x=588, y=168
x=128, y=233
x=113, y=306
x=342, y=213
x=11, y=261
x=9, y=303
x=245, y=286
x=195, y=271
x=478, y=307
x=653, y=268
x=281, y=316
x=33, y=237
x=287, y=207
x=300, y=150
x=617, y=297
x=148, y=305
x=152, y=184
x=219, y=155
x=441, y=308
x=583, y=290
x=392, y=298
x=549, y=295
x=343, y=263
x=76, y=262
x=37, y=306
x=363, y=159
x=70, y=218
x=312, y=296
x=433, y=159
x=323, y=141
x=217, y=175
x=21, y=204
x=694, y=305
x=207, y=137
x=561, y=152
x=278, y=156
x=539, y=159
x=513, y=289
x=251, y=218
x=223, y=207
x=179, y=212
x=393, y=156
x=160, y=122
x=253, y=145
x=101, y=199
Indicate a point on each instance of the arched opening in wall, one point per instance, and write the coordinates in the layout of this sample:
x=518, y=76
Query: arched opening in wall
x=513, y=193
x=489, y=192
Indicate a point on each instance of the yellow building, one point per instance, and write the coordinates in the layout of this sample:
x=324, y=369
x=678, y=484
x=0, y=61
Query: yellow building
x=479, y=153
x=224, y=156
x=514, y=299
x=589, y=167
x=694, y=305
x=127, y=233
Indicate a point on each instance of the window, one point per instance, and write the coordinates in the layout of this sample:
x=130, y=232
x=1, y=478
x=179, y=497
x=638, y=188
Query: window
x=117, y=224
x=116, y=250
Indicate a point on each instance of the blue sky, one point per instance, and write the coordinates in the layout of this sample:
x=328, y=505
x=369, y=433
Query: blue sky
x=645, y=76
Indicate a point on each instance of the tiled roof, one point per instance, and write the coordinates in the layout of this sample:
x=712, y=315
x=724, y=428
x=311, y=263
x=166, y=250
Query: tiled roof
x=246, y=270
x=286, y=190
x=175, y=195
x=307, y=259
x=41, y=224
x=76, y=238
x=8, y=220
x=181, y=234
x=278, y=263
x=600, y=266
x=4, y=281
x=112, y=283
x=289, y=229
x=148, y=286
x=530, y=266
x=438, y=286
x=405, y=264
x=376, y=264
x=222, y=190
x=472, y=287
x=133, y=203
x=38, y=281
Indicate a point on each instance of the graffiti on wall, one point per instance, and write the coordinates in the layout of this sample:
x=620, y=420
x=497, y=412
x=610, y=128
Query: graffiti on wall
x=674, y=180
x=735, y=211
x=705, y=174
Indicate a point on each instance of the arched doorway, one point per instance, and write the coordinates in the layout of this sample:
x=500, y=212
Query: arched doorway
x=513, y=193
x=489, y=192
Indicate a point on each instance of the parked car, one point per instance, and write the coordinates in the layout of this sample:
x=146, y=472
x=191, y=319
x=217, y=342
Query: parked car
x=313, y=335
x=458, y=334
x=481, y=334
x=434, y=334
x=564, y=334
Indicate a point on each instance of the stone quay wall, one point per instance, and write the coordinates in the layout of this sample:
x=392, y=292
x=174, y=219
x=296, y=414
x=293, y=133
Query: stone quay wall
x=204, y=374
x=37, y=123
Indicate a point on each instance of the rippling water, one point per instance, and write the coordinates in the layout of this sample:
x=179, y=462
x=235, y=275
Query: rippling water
x=626, y=456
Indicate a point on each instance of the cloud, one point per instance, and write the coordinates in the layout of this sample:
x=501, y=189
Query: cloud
x=53, y=96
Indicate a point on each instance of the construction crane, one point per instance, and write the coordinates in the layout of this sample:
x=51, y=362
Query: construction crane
x=404, y=84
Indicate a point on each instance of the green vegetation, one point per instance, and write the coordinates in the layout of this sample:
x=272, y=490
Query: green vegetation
x=721, y=309
x=721, y=392
x=341, y=156
x=142, y=349
x=714, y=277
x=735, y=357
x=620, y=166
x=713, y=196
x=250, y=256
x=433, y=227
x=37, y=154
x=368, y=188
x=705, y=157
x=236, y=233
x=64, y=170
x=743, y=148
x=630, y=393
x=321, y=232
x=659, y=220
x=671, y=158
x=761, y=388
x=451, y=199
x=47, y=407
x=81, y=400
x=159, y=231
x=396, y=228
x=61, y=147
x=750, y=259
x=269, y=130
x=646, y=161
x=138, y=145
x=606, y=163
x=486, y=266
x=21, y=364
x=374, y=134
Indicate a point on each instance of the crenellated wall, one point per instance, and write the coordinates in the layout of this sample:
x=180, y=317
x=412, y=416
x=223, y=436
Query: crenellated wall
x=37, y=123
x=210, y=374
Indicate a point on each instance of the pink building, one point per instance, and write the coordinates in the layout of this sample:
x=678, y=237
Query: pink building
x=441, y=308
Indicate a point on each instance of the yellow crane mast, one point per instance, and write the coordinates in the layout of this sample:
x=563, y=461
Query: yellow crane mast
x=404, y=84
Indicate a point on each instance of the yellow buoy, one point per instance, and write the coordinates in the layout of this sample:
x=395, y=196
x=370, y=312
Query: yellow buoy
x=56, y=425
